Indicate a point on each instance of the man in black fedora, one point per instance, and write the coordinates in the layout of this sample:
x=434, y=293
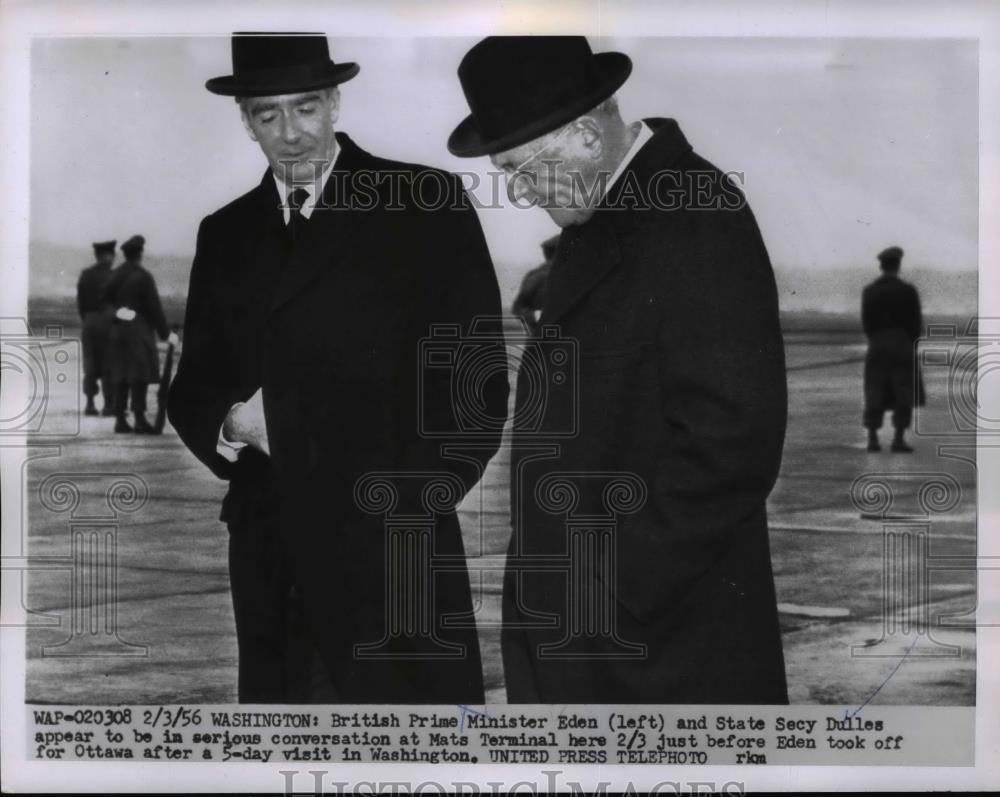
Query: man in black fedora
x=309, y=297
x=95, y=319
x=891, y=317
x=662, y=280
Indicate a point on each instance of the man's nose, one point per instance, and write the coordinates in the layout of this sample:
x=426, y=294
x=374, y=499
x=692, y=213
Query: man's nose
x=290, y=131
x=519, y=186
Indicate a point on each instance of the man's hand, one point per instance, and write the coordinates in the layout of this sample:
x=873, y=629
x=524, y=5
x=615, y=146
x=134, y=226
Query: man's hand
x=173, y=340
x=245, y=424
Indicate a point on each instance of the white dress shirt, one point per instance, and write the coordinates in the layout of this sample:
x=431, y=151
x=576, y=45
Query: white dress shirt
x=645, y=133
x=309, y=203
x=229, y=449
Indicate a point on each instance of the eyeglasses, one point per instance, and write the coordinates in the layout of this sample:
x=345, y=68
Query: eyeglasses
x=514, y=173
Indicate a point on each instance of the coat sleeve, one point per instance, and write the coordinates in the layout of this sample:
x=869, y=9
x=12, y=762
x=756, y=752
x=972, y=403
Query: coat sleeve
x=153, y=308
x=465, y=406
x=867, y=312
x=204, y=390
x=723, y=400
x=79, y=296
x=916, y=317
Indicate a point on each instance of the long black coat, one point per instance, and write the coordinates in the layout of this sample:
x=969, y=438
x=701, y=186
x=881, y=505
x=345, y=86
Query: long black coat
x=134, y=357
x=96, y=318
x=90, y=289
x=332, y=333
x=682, y=399
x=892, y=320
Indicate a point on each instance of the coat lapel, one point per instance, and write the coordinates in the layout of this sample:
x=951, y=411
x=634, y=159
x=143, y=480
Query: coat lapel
x=587, y=253
x=328, y=231
x=265, y=246
x=584, y=256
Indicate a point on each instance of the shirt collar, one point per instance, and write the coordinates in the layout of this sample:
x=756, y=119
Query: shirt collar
x=645, y=133
x=310, y=201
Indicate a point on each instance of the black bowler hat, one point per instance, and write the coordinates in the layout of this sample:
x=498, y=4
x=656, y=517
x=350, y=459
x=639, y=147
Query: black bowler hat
x=522, y=87
x=104, y=247
x=134, y=245
x=266, y=64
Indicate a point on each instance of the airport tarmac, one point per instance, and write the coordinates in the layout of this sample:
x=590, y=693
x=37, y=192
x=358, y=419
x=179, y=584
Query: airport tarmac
x=872, y=554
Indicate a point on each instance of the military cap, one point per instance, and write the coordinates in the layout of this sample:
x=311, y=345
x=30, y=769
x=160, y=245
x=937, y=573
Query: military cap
x=892, y=253
x=134, y=244
x=104, y=247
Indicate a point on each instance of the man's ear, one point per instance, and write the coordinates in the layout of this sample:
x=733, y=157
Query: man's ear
x=592, y=136
x=334, y=98
x=246, y=123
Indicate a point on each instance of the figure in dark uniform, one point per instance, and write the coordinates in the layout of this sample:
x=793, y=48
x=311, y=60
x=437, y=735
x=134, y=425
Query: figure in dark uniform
x=531, y=298
x=138, y=318
x=95, y=317
x=890, y=314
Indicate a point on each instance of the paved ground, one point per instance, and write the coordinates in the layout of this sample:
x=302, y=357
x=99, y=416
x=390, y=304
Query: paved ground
x=176, y=639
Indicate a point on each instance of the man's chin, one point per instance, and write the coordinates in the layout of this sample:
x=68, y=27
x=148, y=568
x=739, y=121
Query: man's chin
x=564, y=217
x=299, y=173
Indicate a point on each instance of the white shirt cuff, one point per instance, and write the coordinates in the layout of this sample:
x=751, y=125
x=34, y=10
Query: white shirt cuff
x=229, y=450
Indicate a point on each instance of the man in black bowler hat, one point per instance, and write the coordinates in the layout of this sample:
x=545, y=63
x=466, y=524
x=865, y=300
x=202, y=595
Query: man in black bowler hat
x=309, y=296
x=663, y=281
x=891, y=317
x=95, y=319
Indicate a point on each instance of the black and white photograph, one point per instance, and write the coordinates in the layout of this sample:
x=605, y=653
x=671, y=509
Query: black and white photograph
x=563, y=388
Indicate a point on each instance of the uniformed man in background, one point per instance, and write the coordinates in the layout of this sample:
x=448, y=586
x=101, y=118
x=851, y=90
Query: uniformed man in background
x=138, y=319
x=890, y=315
x=95, y=318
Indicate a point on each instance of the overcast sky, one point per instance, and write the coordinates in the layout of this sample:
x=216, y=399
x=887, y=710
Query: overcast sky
x=847, y=146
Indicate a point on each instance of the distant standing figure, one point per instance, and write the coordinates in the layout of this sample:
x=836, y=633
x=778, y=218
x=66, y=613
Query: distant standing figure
x=96, y=316
x=138, y=316
x=890, y=314
x=531, y=297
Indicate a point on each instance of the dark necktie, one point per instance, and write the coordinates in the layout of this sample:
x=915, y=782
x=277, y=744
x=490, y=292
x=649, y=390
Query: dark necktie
x=296, y=221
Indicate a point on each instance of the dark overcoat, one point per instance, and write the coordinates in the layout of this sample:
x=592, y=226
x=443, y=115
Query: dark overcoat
x=95, y=317
x=673, y=440
x=331, y=327
x=892, y=320
x=132, y=347
x=530, y=297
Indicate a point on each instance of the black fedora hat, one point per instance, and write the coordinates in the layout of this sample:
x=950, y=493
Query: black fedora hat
x=522, y=87
x=266, y=64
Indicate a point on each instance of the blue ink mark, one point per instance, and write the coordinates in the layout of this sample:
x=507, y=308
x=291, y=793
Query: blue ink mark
x=850, y=714
x=464, y=709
